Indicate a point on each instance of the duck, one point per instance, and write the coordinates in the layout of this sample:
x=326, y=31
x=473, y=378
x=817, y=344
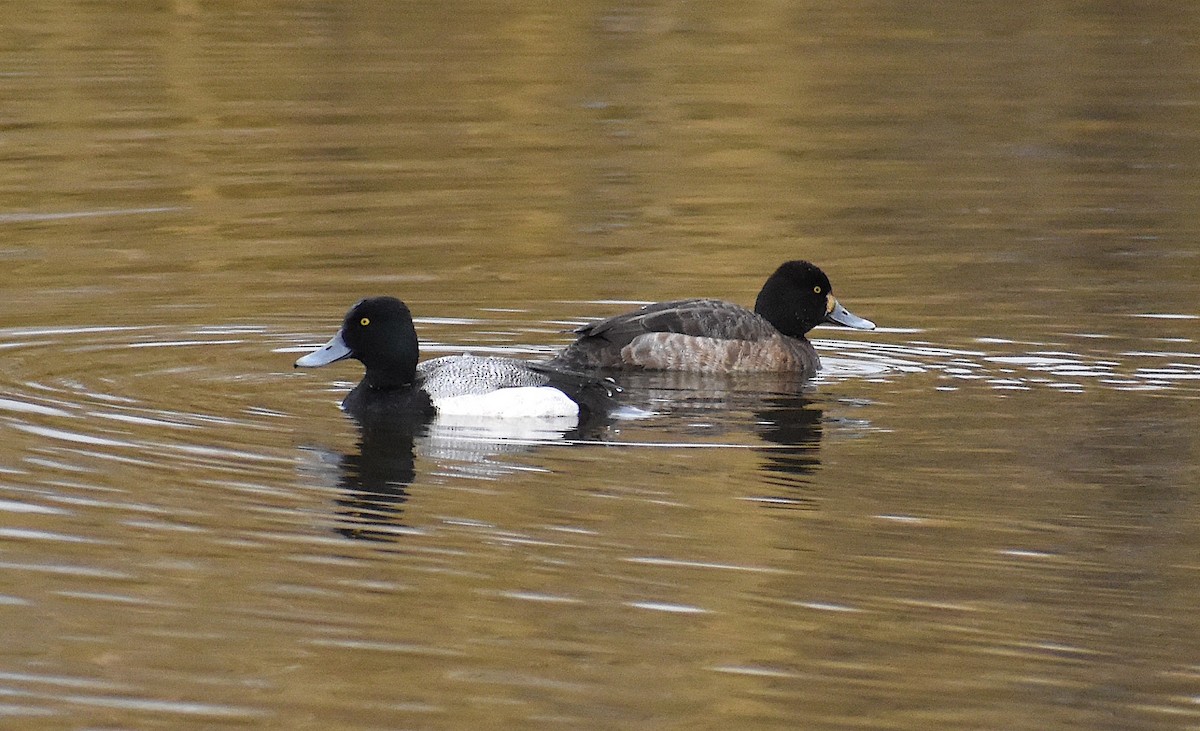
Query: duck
x=714, y=336
x=379, y=333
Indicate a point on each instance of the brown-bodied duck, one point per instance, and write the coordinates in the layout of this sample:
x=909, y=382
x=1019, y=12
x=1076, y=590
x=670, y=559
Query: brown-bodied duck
x=713, y=336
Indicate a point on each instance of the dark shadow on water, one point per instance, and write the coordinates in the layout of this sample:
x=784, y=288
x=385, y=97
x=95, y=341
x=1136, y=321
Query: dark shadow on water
x=376, y=478
x=784, y=416
x=792, y=425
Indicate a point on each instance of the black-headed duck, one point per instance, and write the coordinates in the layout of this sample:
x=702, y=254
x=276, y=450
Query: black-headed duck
x=708, y=335
x=379, y=333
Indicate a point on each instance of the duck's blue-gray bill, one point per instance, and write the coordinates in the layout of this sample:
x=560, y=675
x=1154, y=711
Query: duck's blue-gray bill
x=335, y=350
x=842, y=316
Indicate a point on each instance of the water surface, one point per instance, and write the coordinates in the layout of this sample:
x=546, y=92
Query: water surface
x=982, y=515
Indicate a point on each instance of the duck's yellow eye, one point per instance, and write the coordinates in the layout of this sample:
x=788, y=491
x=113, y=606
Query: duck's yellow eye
x=817, y=289
x=365, y=321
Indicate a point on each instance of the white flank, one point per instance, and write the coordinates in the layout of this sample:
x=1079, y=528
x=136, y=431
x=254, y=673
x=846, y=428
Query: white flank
x=517, y=402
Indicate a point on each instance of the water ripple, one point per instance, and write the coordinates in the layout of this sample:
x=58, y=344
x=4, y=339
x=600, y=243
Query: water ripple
x=1043, y=367
x=36, y=217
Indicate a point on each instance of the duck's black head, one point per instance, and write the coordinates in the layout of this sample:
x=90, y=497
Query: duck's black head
x=798, y=297
x=379, y=333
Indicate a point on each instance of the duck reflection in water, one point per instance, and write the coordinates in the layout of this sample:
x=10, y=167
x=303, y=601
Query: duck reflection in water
x=792, y=426
x=788, y=420
x=375, y=481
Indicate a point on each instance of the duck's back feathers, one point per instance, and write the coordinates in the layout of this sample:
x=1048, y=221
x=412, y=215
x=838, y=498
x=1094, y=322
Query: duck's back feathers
x=510, y=387
x=471, y=375
x=706, y=335
x=696, y=317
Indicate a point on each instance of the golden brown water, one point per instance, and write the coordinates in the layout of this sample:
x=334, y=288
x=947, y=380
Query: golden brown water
x=983, y=515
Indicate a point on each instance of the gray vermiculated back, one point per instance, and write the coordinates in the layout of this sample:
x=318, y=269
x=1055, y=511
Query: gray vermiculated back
x=462, y=375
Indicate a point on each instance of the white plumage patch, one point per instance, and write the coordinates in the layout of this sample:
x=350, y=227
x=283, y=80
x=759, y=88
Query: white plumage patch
x=513, y=403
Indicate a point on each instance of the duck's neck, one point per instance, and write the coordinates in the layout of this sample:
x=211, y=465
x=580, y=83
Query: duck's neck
x=394, y=368
x=389, y=380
